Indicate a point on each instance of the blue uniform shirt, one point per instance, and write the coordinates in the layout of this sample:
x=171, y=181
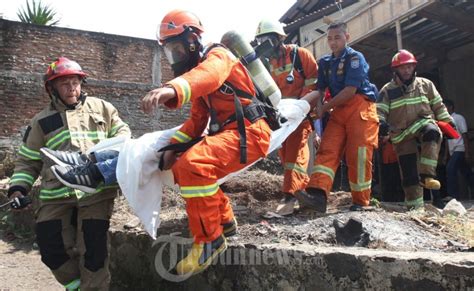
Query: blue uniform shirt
x=350, y=69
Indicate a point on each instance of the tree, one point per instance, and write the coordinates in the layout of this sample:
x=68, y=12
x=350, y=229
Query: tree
x=41, y=14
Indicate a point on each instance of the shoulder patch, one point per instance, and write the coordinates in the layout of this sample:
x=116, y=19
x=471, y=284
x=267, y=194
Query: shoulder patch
x=27, y=132
x=355, y=62
x=51, y=123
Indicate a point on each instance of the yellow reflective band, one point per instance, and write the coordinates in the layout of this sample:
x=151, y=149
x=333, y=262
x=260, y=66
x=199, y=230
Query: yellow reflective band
x=295, y=167
x=382, y=107
x=65, y=192
x=361, y=160
x=49, y=194
x=29, y=153
x=360, y=186
x=414, y=203
x=444, y=115
x=91, y=135
x=199, y=191
x=409, y=101
x=323, y=170
x=181, y=137
x=428, y=162
x=73, y=285
x=185, y=89
x=309, y=82
x=113, y=131
x=22, y=177
x=58, y=139
x=412, y=129
x=63, y=136
x=436, y=99
x=280, y=70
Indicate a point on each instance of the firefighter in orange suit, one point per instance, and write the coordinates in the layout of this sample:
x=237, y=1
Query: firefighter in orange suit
x=352, y=127
x=212, y=80
x=294, y=70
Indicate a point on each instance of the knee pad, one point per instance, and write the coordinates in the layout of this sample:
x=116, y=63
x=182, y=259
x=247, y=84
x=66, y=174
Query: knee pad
x=95, y=240
x=430, y=133
x=408, y=164
x=51, y=244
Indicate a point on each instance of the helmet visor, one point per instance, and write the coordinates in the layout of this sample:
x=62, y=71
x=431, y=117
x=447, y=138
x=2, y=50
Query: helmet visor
x=175, y=52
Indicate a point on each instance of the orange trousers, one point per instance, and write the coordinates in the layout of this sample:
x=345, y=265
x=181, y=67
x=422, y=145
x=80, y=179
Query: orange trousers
x=198, y=169
x=353, y=129
x=294, y=156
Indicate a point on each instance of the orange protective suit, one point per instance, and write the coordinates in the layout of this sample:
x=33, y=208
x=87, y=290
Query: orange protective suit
x=199, y=168
x=353, y=129
x=294, y=153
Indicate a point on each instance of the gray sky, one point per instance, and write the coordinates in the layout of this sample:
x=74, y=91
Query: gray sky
x=140, y=18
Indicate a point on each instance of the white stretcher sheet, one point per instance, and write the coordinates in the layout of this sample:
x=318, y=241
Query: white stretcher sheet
x=142, y=182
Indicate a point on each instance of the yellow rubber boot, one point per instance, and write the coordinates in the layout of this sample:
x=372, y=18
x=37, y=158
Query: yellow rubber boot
x=432, y=184
x=200, y=256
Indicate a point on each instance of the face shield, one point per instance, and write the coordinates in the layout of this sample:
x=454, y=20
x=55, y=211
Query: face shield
x=175, y=52
x=262, y=38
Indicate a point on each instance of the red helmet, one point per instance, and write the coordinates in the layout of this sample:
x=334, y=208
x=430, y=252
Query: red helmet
x=175, y=22
x=403, y=57
x=63, y=67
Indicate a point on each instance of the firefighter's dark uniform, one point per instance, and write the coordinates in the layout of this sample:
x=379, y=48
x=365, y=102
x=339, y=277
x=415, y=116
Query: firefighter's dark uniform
x=411, y=113
x=71, y=226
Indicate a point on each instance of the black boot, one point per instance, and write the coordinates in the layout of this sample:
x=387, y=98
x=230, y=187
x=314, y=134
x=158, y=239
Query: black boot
x=314, y=198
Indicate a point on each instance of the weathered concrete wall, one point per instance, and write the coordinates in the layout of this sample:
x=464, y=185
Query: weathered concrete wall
x=301, y=267
x=121, y=70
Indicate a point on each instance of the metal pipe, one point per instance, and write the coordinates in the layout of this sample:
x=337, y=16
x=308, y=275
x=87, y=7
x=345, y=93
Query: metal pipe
x=398, y=29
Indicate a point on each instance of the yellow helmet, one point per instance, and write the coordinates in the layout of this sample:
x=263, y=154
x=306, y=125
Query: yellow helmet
x=269, y=26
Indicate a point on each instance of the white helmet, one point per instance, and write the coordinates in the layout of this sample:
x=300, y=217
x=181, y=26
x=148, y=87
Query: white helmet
x=269, y=26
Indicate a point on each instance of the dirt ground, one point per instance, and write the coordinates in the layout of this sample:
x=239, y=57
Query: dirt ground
x=253, y=194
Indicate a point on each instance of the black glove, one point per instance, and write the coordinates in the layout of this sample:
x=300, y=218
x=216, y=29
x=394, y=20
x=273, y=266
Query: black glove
x=383, y=128
x=20, y=202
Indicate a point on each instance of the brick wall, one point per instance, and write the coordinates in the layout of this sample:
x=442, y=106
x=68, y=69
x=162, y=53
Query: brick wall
x=121, y=70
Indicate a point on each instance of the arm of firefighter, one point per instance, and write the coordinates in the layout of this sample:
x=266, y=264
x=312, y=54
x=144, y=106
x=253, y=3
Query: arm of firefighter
x=437, y=105
x=117, y=126
x=341, y=98
x=195, y=125
x=383, y=106
x=204, y=79
x=314, y=98
x=310, y=68
x=28, y=163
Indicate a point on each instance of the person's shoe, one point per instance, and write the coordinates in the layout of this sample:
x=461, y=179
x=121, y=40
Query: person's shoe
x=200, y=256
x=230, y=228
x=82, y=177
x=314, y=198
x=287, y=205
x=431, y=183
x=65, y=158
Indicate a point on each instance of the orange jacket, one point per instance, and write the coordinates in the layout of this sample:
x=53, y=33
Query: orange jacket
x=203, y=82
x=280, y=67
